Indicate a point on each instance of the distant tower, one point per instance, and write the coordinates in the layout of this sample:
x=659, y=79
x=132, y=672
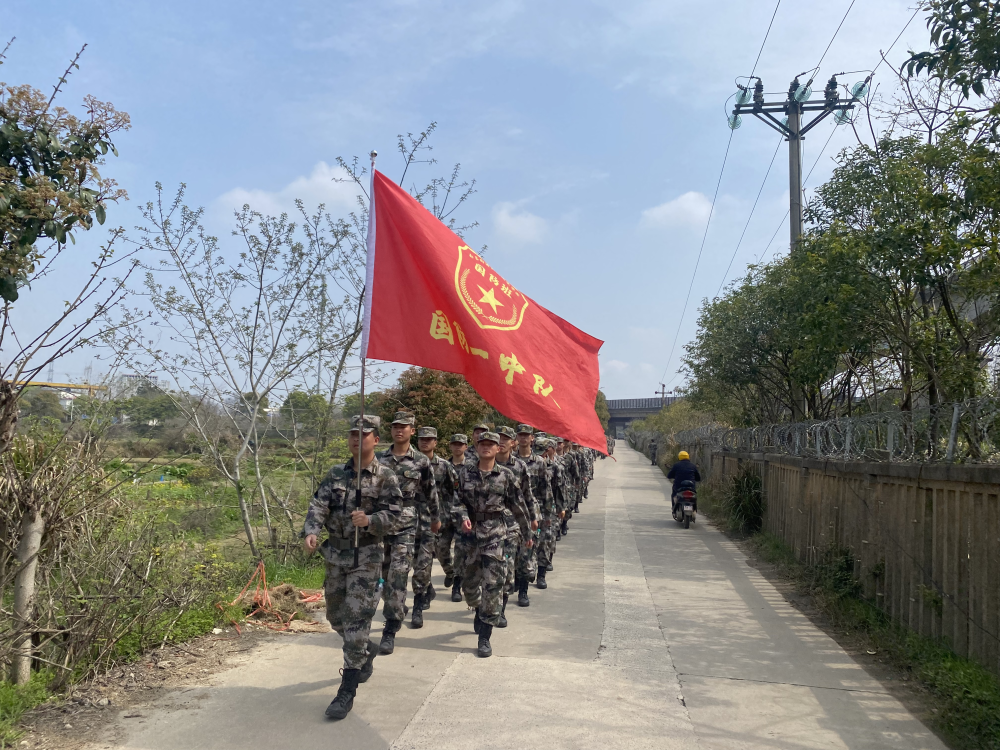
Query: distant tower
x=52, y=372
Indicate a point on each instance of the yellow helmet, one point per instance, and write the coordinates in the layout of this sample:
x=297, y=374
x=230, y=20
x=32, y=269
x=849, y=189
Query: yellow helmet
x=682, y=455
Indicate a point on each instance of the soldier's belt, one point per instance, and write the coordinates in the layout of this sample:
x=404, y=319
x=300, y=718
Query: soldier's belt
x=364, y=540
x=408, y=501
x=488, y=516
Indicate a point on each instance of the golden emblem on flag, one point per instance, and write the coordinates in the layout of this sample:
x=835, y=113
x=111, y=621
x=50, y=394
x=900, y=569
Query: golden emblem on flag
x=490, y=300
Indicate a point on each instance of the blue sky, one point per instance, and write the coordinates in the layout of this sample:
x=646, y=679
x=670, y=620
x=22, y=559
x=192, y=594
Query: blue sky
x=595, y=129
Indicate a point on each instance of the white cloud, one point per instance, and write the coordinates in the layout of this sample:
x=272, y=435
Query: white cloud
x=320, y=186
x=688, y=210
x=516, y=224
x=616, y=365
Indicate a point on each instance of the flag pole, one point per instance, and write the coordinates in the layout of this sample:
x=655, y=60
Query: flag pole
x=365, y=327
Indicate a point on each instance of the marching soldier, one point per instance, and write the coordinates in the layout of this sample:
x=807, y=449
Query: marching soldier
x=420, y=499
x=459, y=449
x=514, y=540
x=486, y=489
x=552, y=514
x=353, y=551
x=541, y=491
x=427, y=544
x=477, y=431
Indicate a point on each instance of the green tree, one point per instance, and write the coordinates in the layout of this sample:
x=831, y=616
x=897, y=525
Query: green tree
x=601, y=407
x=965, y=40
x=305, y=409
x=41, y=403
x=438, y=399
x=49, y=178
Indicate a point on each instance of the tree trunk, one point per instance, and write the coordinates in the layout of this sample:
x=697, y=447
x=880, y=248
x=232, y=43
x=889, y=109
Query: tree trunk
x=32, y=528
x=8, y=414
x=245, y=512
x=272, y=533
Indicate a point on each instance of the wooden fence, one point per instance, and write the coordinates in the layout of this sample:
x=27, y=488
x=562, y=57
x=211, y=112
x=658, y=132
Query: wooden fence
x=925, y=538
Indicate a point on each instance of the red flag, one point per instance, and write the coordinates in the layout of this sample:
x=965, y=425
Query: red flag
x=435, y=303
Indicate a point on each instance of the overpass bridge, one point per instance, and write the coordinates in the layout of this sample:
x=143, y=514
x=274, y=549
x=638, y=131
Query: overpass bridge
x=624, y=411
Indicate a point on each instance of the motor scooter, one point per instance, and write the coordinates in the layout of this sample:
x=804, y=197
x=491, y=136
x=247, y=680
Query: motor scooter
x=685, y=507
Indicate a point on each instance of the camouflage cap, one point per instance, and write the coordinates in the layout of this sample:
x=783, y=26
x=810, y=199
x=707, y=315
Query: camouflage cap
x=371, y=423
x=543, y=443
x=559, y=440
x=458, y=437
x=508, y=431
x=489, y=436
x=427, y=432
x=481, y=426
x=404, y=417
x=521, y=428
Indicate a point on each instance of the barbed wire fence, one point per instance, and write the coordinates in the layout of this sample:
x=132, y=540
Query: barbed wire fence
x=966, y=432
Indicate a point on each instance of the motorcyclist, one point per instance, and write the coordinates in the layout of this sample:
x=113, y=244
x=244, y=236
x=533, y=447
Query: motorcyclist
x=682, y=471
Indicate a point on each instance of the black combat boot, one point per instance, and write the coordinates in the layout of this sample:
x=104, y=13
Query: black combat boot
x=565, y=527
x=448, y=580
x=344, y=702
x=539, y=582
x=485, y=649
x=548, y=566
x=429, y=595
x=456, y=589
x=417, y=621
x=477, y=624
x=388, y=644
x=522, y=593
x=502, y=623
x=369, y=667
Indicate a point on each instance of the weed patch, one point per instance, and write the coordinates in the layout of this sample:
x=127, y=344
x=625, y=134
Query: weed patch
x=15, y=700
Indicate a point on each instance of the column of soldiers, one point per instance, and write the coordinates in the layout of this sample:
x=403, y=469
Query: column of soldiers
x=503, y=501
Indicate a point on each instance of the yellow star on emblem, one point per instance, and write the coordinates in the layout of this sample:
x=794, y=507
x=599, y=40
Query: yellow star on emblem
x=490, y=299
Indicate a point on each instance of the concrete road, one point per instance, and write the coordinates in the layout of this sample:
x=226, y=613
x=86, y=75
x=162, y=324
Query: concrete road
x=649, y=636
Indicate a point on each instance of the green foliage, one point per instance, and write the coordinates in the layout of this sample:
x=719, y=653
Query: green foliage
x=307, y=575
x=438, y=399
x=893, y=293
x=15, y=700
x=49, y=181
x=742, y=501
x=601, y=407
x=306, y=409
x=965, y=35
x=41, y=403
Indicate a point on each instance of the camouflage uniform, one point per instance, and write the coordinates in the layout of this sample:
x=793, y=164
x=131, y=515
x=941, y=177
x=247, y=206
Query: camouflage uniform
x=446, y=483
x=541, y=492
x=514, y=539
x=571, y=478
x=550, y=520
x=352, y=591
x=420, y=504
x=483, y=496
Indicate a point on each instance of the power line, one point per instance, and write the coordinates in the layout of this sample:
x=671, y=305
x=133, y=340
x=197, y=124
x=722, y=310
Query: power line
x=766, y=34
x=882, y=57
x=687, y=299
x=823, y=56
x=715, y=198
x=754, y=208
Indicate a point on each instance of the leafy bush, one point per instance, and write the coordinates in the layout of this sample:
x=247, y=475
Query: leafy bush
x=742, y=502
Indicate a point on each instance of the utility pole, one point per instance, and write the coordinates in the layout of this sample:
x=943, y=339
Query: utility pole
x=793, y=129
x=662, y=393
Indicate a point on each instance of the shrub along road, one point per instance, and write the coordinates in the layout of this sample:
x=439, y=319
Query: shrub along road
x=649, y=636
